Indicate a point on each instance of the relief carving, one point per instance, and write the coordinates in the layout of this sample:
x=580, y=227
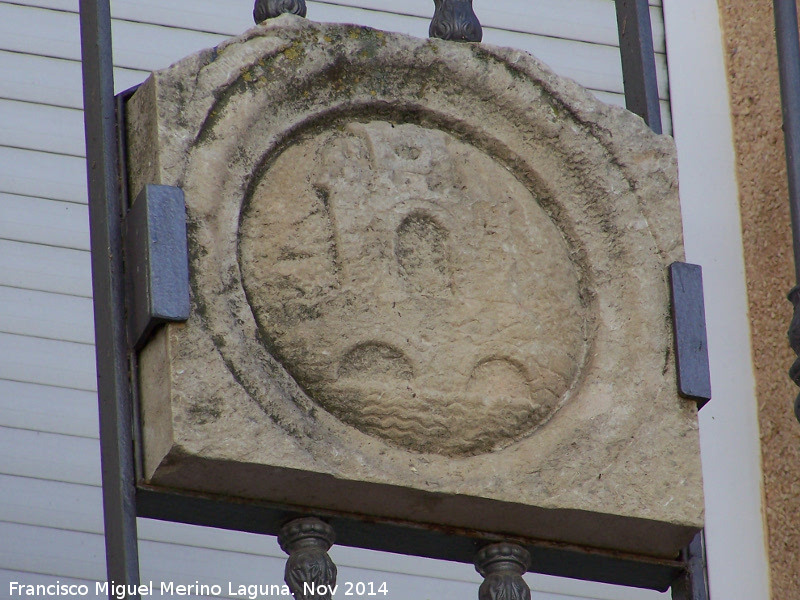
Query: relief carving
x=413, y=288
x=428, y=285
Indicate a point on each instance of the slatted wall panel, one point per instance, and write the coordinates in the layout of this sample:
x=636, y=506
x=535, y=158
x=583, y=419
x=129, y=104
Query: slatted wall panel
x=50, y=501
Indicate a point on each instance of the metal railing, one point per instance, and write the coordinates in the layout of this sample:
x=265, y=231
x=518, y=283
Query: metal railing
x=501, y=563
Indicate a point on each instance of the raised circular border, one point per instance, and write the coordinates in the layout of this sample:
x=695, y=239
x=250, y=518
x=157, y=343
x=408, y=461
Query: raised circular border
x=304, y=77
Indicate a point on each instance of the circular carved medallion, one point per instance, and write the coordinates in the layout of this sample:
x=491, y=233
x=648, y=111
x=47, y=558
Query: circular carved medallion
x=412, y=287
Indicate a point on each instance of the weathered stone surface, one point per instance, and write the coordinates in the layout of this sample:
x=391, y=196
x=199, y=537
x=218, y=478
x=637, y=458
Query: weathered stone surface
x=429, y=283
x=413, y=287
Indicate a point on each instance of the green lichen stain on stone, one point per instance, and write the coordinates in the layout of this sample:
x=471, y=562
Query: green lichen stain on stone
x=207, y=410
x=371, y=42
x=293, y=53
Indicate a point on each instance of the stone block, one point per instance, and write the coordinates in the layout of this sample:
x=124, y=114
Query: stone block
x=429, y=284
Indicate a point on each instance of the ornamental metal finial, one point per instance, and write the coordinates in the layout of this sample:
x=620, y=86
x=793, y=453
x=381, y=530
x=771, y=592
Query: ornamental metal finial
x=455, y=20
x=269, y=9
x=502, y=566
x=794, y=342
x=310, y=572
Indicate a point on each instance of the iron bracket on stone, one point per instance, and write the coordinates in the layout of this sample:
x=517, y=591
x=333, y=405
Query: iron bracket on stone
x=456, y=21
x=269, y=9
x=689, y=325
x=502, y=567
x=310, y=572
x=156, y=261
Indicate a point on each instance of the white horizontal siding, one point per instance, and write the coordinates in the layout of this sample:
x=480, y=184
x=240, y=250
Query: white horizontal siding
x=42, y=174
x=49, y=460
x=40, y=221
x=51, y=456
x=52, y=81
x=45, y=268
x=37, y=127
x=38, y=407
x=41, y=314
x=52, y=551
x=47, y=362
x=56, y=34
x=54, y=504
x=48, y=129
x=7, y=576
x=594, y=66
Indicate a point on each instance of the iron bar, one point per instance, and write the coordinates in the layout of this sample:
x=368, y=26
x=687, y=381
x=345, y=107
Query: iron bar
x=105, y=222
x=788, y=41
x=693, y=583
x=638, y=61
x=789, y=69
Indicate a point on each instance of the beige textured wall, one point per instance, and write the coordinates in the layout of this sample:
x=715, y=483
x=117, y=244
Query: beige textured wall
x=755, y=98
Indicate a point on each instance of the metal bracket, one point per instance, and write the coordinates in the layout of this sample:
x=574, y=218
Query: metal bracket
x=689, y=325
x=156, y=261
